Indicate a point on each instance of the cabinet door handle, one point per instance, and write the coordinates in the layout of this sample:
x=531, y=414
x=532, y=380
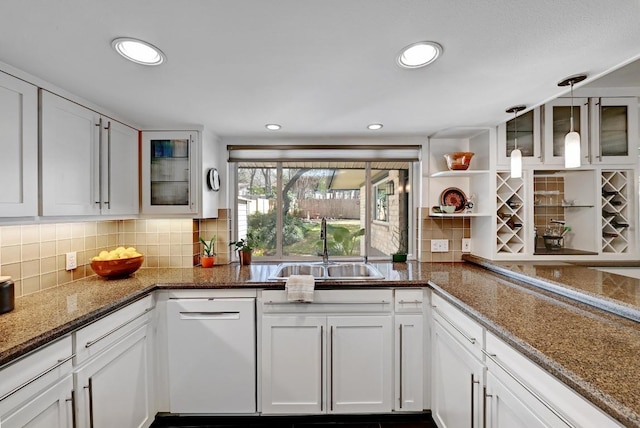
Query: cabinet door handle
x=456, y=328
x=473, y=382
x=110, y=332
x=599, y=107
x=331, y=369
x=72, y=400
x=321, y=364
x=36, y=377
x=401, y=361
x=99, y=125
x=108, y=128
x=89, y=387
x=535, y=395
x=484, y=406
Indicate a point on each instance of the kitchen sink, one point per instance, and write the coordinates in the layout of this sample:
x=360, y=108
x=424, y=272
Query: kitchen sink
x=332, y=271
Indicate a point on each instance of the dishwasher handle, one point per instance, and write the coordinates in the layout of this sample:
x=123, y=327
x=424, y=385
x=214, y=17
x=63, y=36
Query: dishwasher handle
x=210, y=315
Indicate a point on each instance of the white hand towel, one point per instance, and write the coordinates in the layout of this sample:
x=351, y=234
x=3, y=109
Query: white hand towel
x=300, y=288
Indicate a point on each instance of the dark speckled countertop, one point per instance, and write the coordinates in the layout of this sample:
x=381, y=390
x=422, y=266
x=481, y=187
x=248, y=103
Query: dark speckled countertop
x=593, y=351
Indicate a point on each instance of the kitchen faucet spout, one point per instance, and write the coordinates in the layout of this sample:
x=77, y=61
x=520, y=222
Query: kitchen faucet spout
x=323, y=237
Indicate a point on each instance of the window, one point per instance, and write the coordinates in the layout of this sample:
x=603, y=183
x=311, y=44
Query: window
x=282, y=203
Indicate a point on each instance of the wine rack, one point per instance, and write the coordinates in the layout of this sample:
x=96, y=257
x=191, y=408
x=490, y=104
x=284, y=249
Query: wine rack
x=510, y=214
x=616, y=211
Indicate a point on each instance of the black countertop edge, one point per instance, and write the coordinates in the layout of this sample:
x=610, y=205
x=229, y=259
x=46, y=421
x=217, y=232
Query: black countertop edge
x=562, y=289
x=605, y=402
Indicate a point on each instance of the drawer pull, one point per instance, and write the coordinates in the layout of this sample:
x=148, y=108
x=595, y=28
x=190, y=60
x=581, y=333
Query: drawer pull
x=381, y=302
x=456, y=328
x=110, y=332
x=542, y=401
x=38, y=376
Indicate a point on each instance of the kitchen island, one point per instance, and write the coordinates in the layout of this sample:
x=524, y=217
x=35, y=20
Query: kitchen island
x=592, y=351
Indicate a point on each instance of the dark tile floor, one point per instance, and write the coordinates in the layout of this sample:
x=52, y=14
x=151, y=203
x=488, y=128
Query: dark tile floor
x=417, y=420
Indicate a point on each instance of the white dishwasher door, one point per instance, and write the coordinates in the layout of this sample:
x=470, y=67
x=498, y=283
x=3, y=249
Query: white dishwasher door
x=212, y=355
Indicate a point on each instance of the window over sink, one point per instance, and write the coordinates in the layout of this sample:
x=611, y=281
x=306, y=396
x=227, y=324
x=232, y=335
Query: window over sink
x=281, y=204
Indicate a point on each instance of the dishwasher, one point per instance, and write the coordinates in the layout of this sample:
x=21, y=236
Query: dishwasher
x=212, y=355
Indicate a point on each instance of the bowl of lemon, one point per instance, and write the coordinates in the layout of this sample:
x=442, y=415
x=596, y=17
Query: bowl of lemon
x=117, y=263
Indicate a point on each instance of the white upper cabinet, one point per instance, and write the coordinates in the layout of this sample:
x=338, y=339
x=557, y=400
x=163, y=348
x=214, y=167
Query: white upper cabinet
x=608, y=129
x=19, y=146
x=615, y=130
x=557, y=124
x=89, y=162
x=526, y=128
x=171, y=172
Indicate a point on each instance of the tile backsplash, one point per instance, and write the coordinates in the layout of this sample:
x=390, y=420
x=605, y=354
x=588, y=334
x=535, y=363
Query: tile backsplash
x=34, y=255
x=451, y=229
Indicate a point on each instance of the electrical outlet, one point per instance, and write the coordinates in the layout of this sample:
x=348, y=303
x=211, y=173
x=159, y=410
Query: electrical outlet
x=71, y=260
x=439, y=245
x=466, y=245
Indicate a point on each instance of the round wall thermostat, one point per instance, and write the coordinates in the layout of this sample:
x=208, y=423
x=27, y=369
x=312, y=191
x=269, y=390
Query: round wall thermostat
x=213, y=179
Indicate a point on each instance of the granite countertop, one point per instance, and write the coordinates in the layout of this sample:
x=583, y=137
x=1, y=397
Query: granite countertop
x=592, y=351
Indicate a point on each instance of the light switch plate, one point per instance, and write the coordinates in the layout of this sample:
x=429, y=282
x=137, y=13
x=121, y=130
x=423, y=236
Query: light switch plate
x=439, y=245
x=466, y=245
x=71, y=260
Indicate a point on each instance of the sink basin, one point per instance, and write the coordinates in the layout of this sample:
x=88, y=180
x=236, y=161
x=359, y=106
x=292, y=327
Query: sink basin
x=286, y=270
x=332, y=271
x=353, y=270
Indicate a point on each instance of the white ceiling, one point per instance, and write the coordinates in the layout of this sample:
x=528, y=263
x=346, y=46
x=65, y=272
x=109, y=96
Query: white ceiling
x=318, y=67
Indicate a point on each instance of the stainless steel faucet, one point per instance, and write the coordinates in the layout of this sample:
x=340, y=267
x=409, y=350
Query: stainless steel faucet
x=323, y=237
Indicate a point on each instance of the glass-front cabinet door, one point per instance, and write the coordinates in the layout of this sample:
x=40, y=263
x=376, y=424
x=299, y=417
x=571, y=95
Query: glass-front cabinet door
x=527, y=131
x=557, y=124
x=168, y=172
x=614, y=129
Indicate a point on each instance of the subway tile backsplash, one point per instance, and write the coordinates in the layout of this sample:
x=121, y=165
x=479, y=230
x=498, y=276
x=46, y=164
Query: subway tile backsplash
x=34, y=255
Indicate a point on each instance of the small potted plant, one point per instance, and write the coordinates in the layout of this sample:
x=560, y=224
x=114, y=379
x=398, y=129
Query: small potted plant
x=400, y=239
x=208, y=257
x=244, y=247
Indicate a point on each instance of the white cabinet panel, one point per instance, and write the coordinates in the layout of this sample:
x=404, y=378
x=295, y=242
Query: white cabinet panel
x=19, y=147
x=49, y=409
x=456, y=377
x=360, y=364
x=409, y=366
x=89, y=162
x=113, y=388
x=293, y=364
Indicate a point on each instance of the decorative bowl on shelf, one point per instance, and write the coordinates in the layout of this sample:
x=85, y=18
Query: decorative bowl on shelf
x=117, y=268
x=458, y=160
x=447, y=209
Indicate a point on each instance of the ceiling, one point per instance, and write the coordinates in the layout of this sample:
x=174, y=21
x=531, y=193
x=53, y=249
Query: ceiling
x=318, y=67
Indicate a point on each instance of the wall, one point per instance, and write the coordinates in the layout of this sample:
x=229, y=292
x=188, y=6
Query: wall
x=34, y=255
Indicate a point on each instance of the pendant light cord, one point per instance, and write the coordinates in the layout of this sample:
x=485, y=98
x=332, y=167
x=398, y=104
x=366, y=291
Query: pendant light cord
x=515, y=127
x=571, y=120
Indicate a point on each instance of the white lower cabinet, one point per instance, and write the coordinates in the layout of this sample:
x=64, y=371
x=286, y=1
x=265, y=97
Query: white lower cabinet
x=457, y=372
x=113, y=388
x=293, y=364
x=53, y=408
x=316, y=364
x=334, y=358
x=114, y=370
x=37, y=390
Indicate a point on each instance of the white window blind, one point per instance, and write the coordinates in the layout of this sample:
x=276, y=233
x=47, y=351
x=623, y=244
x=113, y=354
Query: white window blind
x=369, y=153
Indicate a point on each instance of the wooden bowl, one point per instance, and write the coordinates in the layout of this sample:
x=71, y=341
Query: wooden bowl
x=117, y=268
x=458, y=160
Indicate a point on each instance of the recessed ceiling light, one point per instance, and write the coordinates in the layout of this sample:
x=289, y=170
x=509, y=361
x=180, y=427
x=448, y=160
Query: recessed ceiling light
x=419, y=54
x=272, y=126
x=374, y=126
x=138, y=51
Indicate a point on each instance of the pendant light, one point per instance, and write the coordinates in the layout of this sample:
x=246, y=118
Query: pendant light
x=516, y=154
x=572, y=139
